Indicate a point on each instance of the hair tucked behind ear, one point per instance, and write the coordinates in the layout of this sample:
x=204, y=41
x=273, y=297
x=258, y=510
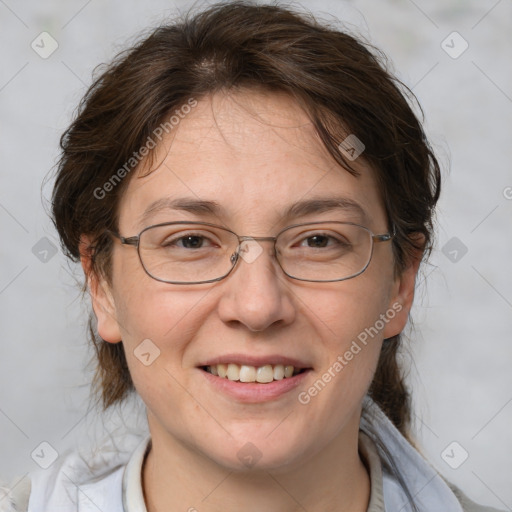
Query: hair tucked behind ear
x=341, y=83
x=388, y=388
x=112, y=381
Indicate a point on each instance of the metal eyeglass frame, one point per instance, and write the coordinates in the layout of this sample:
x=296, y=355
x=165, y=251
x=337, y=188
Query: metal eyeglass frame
x=134, y=241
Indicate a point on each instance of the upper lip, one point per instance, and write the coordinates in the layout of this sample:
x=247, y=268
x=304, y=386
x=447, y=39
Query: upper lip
x=257, y=361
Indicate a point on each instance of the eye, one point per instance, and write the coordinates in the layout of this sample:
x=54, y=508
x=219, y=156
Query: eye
x=187, y=241
x=323, y=240
x=317, y=241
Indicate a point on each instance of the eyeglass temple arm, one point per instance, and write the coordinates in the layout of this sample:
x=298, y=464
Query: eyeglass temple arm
x=385, y=237
x=131, y=240
x=382, y=238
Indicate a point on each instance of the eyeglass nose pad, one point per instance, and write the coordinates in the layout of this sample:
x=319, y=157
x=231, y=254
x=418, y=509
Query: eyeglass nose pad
x=234, y=257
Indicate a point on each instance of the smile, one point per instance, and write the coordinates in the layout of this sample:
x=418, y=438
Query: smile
x=246, y=373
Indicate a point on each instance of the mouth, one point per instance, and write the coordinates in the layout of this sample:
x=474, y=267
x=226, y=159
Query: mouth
x=264, y=374
x=251, y=379
x=255, y=379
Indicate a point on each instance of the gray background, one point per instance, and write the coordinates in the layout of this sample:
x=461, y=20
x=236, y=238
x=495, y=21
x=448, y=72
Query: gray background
x=460, y=349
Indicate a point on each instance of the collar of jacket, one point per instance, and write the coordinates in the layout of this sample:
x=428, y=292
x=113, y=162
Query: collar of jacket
x=402, y=476
x=111, y=479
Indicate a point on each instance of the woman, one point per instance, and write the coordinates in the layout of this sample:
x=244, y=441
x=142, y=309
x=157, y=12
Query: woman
x=250, y=196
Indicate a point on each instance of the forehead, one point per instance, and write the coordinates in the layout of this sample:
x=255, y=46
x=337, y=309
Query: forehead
x=249, y=155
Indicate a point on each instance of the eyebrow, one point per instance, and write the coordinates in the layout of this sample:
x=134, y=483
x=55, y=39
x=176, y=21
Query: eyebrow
x=203, y=207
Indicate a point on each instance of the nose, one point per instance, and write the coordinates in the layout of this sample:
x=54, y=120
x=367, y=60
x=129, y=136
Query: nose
x=256, y=293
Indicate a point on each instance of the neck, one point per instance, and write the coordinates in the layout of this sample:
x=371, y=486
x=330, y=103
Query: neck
x=177, y=477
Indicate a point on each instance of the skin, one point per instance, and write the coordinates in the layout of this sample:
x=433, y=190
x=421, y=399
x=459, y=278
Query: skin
x=254, y=153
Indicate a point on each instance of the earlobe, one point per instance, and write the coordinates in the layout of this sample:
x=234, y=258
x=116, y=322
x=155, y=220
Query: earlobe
x=402, y=298
x=102, y=300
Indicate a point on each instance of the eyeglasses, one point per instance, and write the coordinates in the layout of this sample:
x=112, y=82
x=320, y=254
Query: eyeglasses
x=185, y=252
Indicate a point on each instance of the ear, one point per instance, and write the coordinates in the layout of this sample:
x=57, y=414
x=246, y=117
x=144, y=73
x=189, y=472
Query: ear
x=402, y=296
x=101, y=296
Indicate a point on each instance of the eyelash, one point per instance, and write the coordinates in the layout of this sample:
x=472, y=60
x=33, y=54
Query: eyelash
x=202, y=236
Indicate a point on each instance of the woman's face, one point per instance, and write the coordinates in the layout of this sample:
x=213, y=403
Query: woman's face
x=255, y=155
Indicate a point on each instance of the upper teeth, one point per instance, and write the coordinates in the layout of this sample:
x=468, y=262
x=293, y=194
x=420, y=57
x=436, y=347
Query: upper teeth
x=245, y=373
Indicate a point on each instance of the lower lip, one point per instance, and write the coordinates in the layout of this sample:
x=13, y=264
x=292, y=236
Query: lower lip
x=253, y=392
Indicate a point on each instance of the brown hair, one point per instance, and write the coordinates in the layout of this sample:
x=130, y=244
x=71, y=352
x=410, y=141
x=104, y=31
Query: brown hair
x=342, y=84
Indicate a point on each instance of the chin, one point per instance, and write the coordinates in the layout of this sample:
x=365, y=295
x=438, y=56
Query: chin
x=257, y=453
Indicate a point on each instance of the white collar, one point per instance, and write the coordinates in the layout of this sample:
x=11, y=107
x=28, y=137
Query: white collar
x=382, y=442
x=133, y=497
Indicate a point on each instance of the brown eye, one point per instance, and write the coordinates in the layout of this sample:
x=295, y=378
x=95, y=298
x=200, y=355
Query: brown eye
x=187, y=242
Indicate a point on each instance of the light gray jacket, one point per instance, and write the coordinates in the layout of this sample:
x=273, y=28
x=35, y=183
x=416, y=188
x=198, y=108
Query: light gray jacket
x=110, y=480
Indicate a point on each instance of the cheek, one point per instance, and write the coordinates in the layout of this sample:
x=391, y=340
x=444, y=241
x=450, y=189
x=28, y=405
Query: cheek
x=349, y=351
x=165, y=316
x=350, y=308
x=145, y=308
x=157, y=326
x=350, y=323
